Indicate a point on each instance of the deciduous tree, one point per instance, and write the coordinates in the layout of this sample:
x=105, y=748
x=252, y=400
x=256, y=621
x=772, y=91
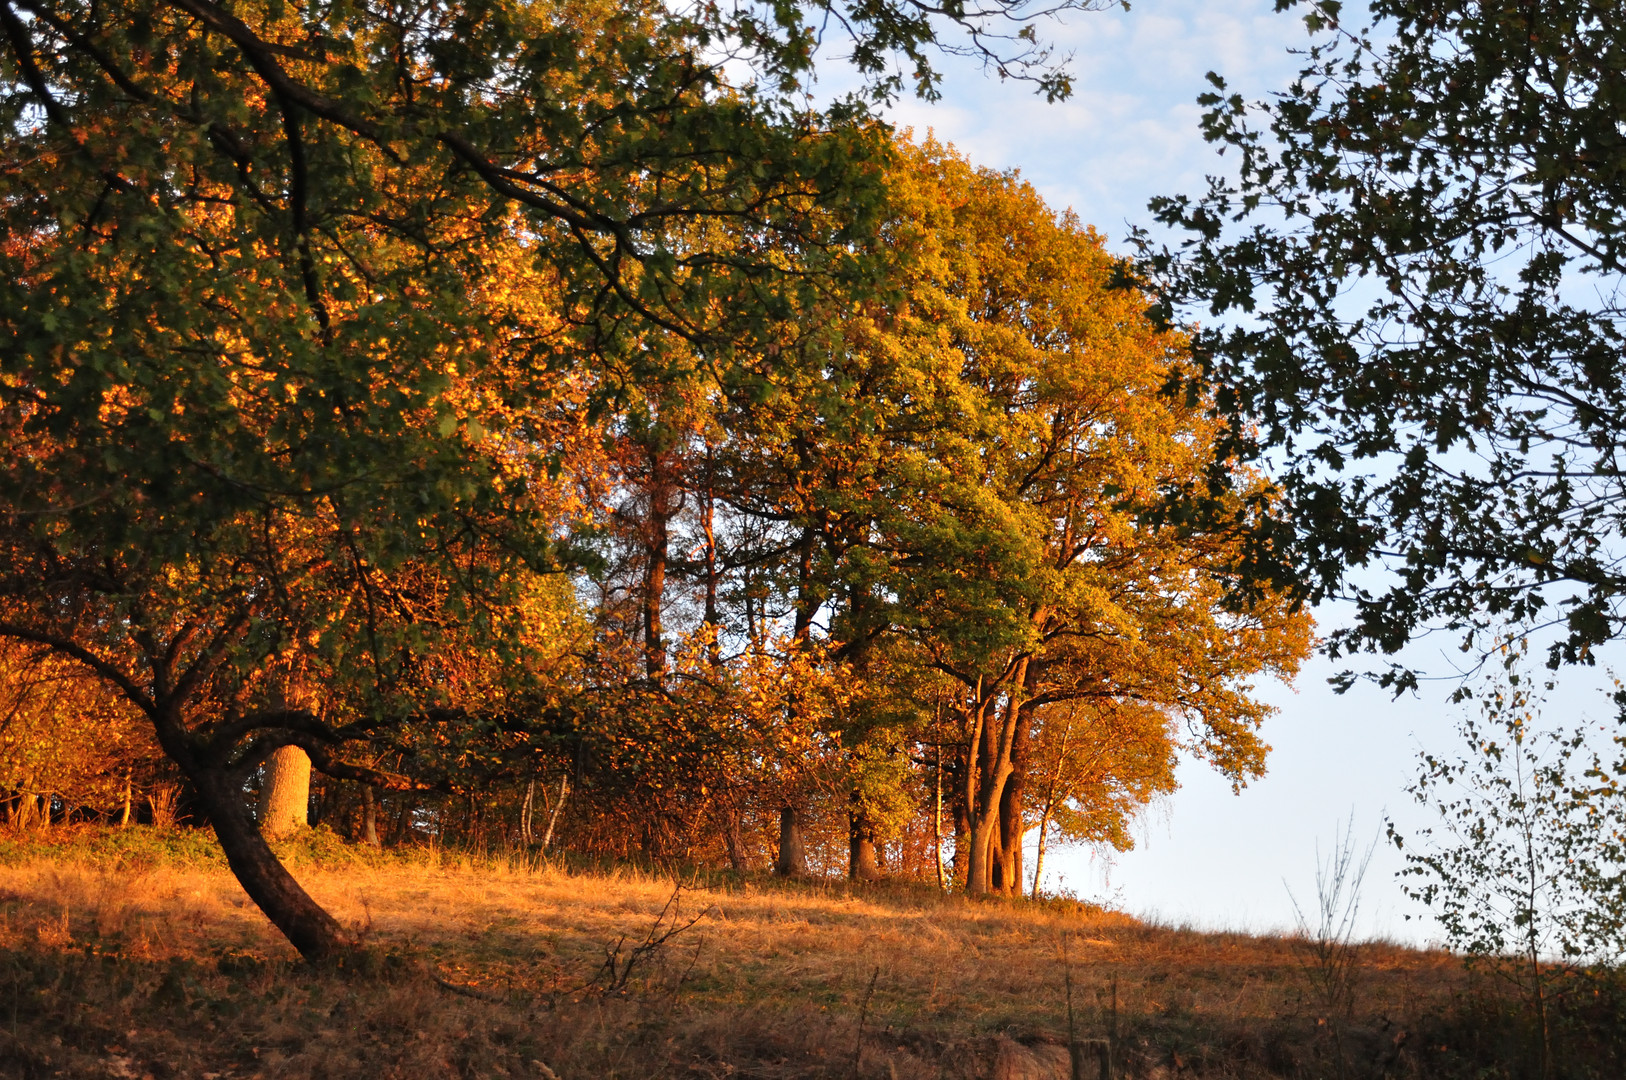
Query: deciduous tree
x=1410, y=297
x=1006, y=533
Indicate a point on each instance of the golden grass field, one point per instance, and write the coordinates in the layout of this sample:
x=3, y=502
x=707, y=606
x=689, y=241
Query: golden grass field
x=125, y=959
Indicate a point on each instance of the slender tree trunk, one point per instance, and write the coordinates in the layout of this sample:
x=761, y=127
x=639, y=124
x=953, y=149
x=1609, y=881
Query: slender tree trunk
x=1053, y=793
x=285, y=796
x=1038, y=857
x=737, y=859
x=654, y=597
x=129, y=795
x=714, y=648
x=792, y=860
x=369, y=816
x=937, y=821
x=525, y=836
x=402, y=831
x=965, y=818
x=962, y=840
x=807, y=604
x=657, y=541
x=558, y=805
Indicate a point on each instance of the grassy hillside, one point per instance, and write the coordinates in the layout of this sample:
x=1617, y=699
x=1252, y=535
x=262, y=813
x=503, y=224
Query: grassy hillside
x=136, y=954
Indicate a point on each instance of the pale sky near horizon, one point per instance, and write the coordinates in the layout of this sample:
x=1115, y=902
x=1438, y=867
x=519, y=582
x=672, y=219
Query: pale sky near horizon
x=1207, y=857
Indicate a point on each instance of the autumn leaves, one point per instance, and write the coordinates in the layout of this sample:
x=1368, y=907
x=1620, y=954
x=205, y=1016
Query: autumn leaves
x=554, y=407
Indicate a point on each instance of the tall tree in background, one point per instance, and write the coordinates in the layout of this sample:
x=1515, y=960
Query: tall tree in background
x=1411, y=305
x=991, y=447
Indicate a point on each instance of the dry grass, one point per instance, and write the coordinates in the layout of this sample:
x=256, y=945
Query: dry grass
x=133, y=965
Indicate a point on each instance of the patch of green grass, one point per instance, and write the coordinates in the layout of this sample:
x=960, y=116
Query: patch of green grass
x=136, y=848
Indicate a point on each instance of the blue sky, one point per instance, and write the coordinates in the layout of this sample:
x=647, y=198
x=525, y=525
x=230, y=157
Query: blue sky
x=1206, y=856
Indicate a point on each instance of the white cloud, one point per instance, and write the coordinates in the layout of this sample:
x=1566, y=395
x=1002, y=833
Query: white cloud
x=1131, y=129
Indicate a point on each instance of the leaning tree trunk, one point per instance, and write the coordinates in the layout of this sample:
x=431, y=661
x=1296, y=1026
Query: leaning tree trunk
x=285, y=798
x=1038, y=858
x=792, y=860
x=316, y=934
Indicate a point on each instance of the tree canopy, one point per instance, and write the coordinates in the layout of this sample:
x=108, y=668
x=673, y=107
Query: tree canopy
x=457, y=394
x=1410, y=292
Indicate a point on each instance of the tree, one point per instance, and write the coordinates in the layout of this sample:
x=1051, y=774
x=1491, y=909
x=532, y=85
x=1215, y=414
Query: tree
x=995, y=444
x=66, y=737
x=313, y=321
x=1524, y=869
x=1093, y=765
x=287, y=371
x=1411, y=299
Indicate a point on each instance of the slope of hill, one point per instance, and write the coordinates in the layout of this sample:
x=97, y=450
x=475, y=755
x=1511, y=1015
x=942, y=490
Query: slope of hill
x=136, y=954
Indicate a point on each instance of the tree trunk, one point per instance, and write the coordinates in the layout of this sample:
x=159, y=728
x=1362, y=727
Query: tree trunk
x=285, y=797
x=792, y=860
x=124, y=817
x=737, y=858
x=962, y=843
x=657, y=543
x=807, y=605
x=714, y=646
x=1012, y=817
x=937, y=823
x=861, y=862
x=553, y=815
x=982, y=785
x=369, y=816
x=1038, y=858
x=990, y=746
x=316, y=934
x=525, y=813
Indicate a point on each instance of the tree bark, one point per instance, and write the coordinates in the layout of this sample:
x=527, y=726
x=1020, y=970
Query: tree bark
x=737, y=859
x=937, y=822
x=807, y=604
x=316, y=934
x=792, y=860
x=1012, y=807
x=861, y=861
x=558, y=805
x=990, y=746
x=714, y=647
x=369, y=816
x=1038, y=858
x=657, y=525
x=962, y=841
x=285, y=796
